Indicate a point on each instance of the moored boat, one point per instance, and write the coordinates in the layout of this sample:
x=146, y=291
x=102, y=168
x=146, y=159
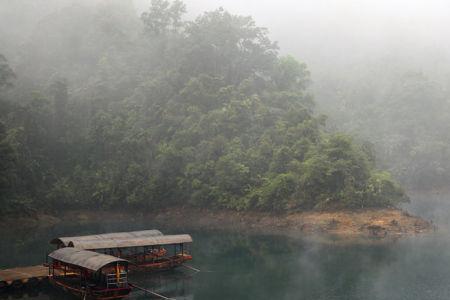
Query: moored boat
x=88, y=274
x=146, y=250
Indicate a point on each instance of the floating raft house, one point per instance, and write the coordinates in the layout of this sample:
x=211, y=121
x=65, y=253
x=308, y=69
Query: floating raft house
x=146, y=249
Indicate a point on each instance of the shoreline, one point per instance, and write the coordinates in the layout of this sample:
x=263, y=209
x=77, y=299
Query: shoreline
x=379, y=224
x=367, y=223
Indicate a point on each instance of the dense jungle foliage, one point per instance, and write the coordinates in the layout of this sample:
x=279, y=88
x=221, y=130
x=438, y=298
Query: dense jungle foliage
x=160, y=111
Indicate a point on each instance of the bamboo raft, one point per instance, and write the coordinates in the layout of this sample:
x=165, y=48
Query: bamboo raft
x=22, y=276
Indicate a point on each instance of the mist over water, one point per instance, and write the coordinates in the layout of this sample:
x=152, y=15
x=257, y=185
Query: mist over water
x=101, y=114
x=242, y=266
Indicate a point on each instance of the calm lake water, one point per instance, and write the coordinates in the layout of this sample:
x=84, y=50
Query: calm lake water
x=241, y=266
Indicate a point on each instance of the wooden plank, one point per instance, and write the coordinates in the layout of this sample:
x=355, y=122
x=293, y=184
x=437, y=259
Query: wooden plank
x=23, y=273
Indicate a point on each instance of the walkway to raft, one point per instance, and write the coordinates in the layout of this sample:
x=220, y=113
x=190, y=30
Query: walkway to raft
x=18, y=277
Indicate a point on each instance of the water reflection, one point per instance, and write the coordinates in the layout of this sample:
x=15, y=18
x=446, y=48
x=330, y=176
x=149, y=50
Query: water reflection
x=175, y=284
x=42, y=292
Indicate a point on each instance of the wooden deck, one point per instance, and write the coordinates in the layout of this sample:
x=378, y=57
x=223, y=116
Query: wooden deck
x=17, y=277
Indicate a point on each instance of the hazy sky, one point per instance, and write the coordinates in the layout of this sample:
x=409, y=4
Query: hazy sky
x=329, y=35
x=341, y=32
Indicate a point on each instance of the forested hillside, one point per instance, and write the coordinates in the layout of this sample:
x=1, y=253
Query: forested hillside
x=404, y=113
x=108, y=109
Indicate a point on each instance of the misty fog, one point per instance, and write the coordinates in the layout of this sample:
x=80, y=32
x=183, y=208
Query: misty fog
x=356, y=52
x=217, y=113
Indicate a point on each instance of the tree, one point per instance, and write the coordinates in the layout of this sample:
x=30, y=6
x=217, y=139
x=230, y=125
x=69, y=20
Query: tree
x=224, y=45
x=163, y=17
x=6, y=74
x=203, y=113
x=8, y=170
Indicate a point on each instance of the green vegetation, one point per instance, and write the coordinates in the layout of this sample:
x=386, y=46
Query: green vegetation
x=167, y=112
x=405, y=115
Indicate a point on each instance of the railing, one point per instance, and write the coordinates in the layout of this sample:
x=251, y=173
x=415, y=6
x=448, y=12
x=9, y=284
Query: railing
x=114, y=281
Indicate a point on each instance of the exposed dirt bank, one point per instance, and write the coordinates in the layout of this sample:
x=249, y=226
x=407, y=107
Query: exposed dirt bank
x=368, y=223
x=364, y=223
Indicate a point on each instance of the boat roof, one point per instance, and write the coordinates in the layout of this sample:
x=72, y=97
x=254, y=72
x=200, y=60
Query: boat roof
x=106, y=236
x=85, y=259
x=134, y=242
